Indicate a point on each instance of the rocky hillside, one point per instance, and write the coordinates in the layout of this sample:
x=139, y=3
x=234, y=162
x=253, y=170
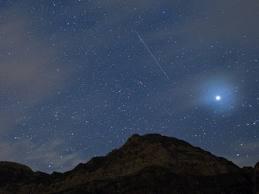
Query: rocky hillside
x=148, y=164
x=257, y=177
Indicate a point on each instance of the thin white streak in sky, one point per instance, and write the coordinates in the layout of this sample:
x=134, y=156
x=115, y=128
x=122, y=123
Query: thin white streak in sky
x=255, y=122
x=152, y=55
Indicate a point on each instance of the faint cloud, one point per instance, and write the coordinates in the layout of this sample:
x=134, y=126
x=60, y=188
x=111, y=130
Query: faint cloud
x=30, y=73
x=28, y=66
x=29, y=69
x=40, y=156
x=230, y=22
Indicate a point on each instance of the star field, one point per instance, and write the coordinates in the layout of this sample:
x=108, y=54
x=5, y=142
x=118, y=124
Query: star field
x=78, y=77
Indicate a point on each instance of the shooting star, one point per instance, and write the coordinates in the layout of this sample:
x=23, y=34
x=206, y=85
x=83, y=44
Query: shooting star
x=255, y=122
x=152, y=55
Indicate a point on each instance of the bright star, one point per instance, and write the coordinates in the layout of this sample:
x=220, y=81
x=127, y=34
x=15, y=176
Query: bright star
x=218, y=98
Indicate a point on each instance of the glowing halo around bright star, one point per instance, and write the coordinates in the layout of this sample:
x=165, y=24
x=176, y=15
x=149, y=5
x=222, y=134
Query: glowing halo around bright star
x=218, y=94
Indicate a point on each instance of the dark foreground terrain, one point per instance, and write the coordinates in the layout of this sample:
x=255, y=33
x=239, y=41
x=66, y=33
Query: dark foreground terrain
x=149, y=164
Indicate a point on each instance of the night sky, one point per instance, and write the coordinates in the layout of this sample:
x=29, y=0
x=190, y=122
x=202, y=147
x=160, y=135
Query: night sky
x=78, y=77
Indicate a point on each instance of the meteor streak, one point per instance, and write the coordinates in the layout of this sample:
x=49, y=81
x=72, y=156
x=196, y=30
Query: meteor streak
x=152, y=55
x=255, y=122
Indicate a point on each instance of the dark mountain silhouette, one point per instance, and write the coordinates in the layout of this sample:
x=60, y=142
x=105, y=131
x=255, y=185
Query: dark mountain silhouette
x=149, y=164
x=257, y=177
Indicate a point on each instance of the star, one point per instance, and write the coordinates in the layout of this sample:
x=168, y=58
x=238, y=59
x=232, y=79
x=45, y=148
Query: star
x=92, y=86
x=218, y=98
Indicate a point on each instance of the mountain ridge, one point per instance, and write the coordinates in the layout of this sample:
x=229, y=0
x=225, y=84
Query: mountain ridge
x=150, y=163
